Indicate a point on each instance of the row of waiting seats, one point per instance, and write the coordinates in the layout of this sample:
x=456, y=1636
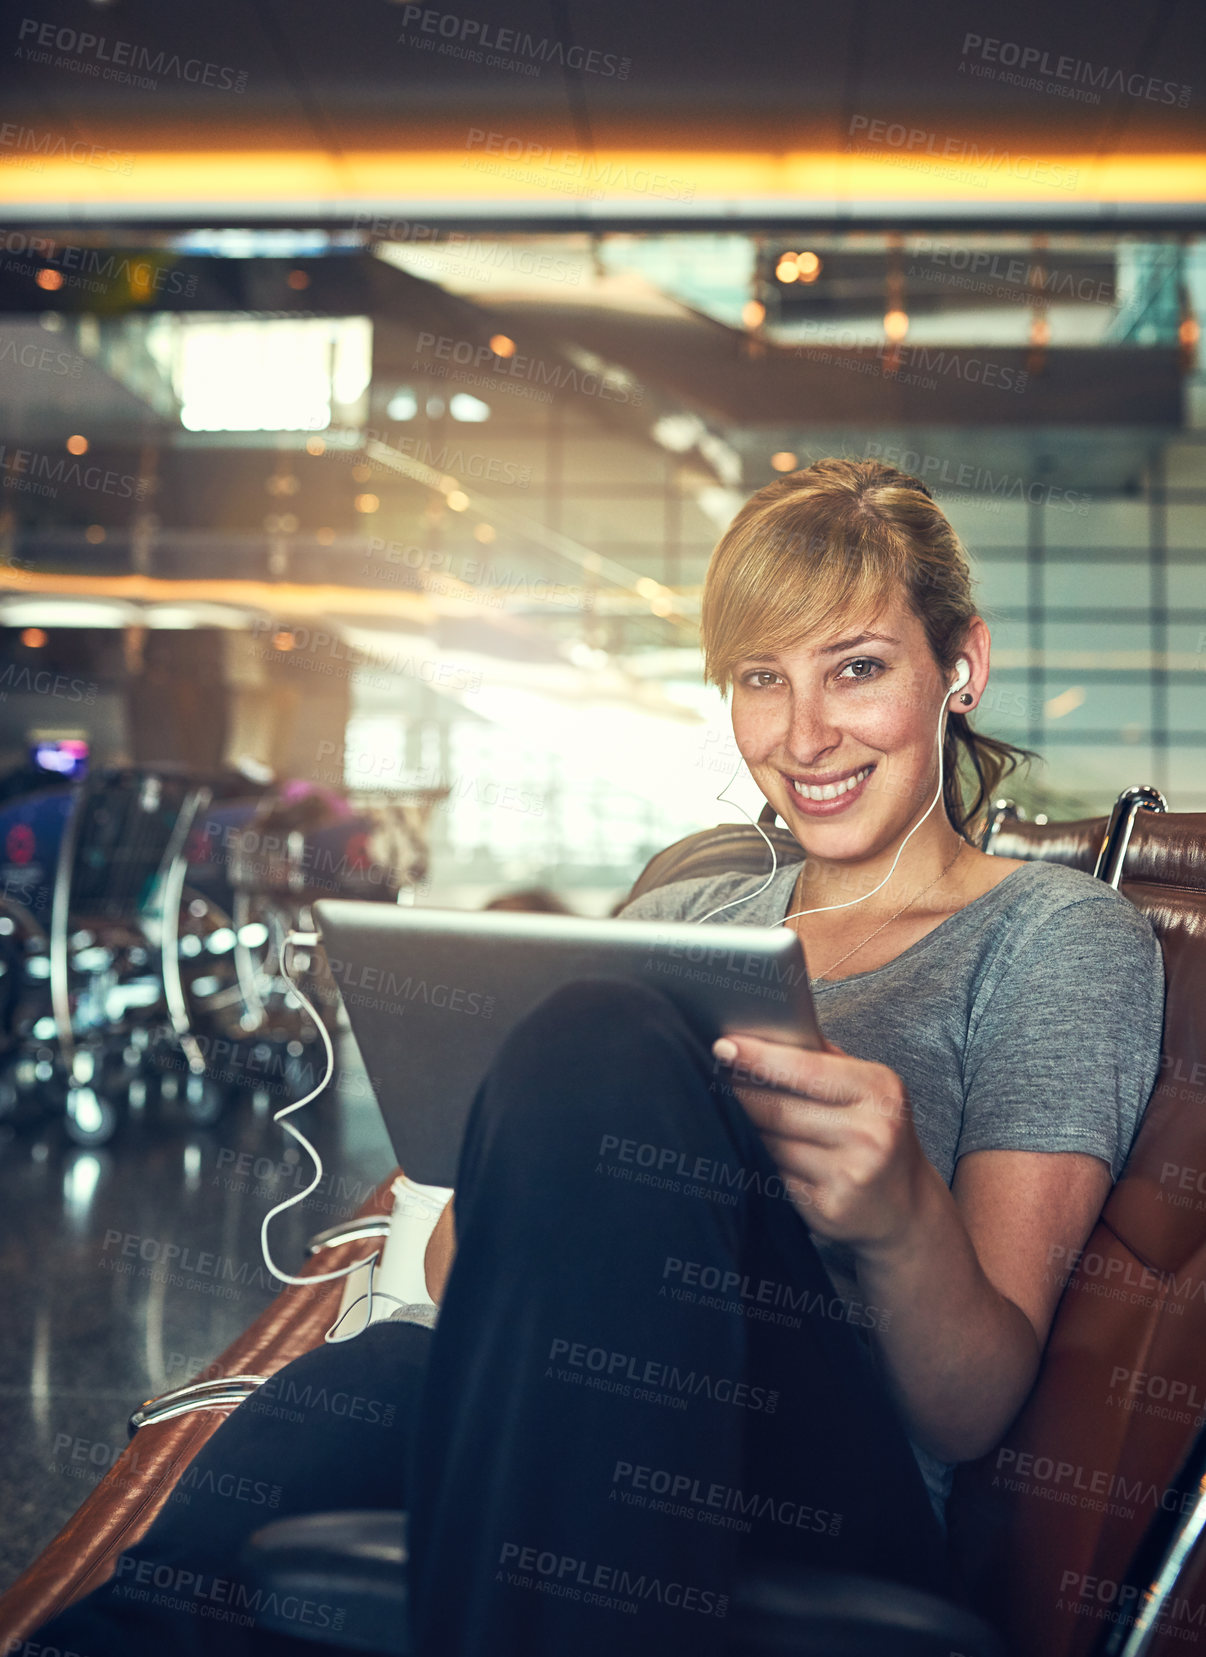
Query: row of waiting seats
x=143, y=914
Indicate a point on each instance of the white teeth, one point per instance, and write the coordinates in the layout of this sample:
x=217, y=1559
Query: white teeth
x=831, y=790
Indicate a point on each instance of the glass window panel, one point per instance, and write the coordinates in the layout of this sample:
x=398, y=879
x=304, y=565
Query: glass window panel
x=1101, y=524
x=1096, y=772
x=997, y=583
x=1102, y=643
x=1187, y=586
x=1186, y=779
x=1008, y=706
x=1187, y=524
x=984, y=523
x=1185, y=465
x=1187, y=644
x=1073, y=584
x=1075, y=705
x=1187, y=711
x=1010, y=639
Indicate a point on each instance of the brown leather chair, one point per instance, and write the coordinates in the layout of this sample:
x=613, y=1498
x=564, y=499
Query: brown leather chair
x=1049, y=1527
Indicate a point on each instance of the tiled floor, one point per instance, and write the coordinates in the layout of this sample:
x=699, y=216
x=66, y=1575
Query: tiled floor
x=97, y=1316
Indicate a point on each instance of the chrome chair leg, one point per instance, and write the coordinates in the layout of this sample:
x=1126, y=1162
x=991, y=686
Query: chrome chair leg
x=171, y=889
x=60, y=926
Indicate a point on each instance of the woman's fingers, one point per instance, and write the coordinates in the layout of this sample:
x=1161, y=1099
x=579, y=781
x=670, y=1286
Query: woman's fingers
x=832, y=1077
x=786, y=1117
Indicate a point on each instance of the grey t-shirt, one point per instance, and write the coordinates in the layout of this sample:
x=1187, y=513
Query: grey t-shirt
x=1029, y=1020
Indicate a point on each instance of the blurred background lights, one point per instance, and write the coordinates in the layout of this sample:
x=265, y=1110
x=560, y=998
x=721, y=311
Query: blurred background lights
x=50, y=280
x=462, y=406
x=280, y=374
x=798, y=267
x=1057, y=707
x=77, y=445
x=896, y=325
x=366, y=503
x=502, y=345
x=403, y=405
x=784, y=461
x=753, y=313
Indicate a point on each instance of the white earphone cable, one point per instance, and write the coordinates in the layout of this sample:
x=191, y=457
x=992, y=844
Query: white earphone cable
x=298, y=939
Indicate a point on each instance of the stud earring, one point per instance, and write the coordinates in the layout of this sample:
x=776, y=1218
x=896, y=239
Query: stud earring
x=967, y=699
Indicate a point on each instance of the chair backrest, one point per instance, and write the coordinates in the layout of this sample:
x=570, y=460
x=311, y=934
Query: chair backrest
x=725, y=849
x=1046, y=1525
x=123, y=828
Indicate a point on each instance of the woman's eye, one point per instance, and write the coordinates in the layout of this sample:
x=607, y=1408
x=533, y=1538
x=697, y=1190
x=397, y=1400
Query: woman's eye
x=864, y=662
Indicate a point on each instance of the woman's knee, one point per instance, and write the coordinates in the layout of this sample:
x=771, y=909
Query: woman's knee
x=593, y=1008
x=604, y=1037
x=598, y=1056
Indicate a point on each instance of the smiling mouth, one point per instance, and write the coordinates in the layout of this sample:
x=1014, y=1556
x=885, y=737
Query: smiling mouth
x=830, y=790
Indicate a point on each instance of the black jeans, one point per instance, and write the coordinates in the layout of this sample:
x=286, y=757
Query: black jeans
x=641, y=1378
x=641, y=1373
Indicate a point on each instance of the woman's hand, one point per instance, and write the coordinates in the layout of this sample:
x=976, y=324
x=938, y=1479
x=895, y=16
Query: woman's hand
x=841, y=1133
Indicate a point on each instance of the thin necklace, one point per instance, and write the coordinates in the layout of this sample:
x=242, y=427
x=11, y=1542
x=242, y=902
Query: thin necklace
x=822, y=977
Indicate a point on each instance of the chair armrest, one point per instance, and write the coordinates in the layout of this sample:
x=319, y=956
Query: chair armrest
x=354, y=1565
x=787, y=1611
x=348, y=1567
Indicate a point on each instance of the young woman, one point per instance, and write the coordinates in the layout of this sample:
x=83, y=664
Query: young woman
x=993, y=1031
x=703, y=1310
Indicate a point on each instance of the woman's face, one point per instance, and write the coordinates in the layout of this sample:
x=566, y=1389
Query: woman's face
x=855, y=715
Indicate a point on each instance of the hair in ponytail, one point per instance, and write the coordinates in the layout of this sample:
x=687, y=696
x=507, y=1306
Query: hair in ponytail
x=834, y=543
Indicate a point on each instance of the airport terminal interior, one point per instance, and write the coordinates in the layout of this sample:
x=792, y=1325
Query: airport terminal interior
x=369, y=411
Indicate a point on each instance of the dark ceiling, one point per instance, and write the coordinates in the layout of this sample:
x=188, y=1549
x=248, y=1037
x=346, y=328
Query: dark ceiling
x=368, y=74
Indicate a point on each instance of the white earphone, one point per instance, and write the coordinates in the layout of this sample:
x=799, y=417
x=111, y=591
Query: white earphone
x=962, y=676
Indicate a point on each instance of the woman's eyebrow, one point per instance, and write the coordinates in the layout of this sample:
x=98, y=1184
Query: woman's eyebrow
x=863, y=638
x=770, y=657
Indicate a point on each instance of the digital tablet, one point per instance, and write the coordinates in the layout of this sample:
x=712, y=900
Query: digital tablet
x=432, y=993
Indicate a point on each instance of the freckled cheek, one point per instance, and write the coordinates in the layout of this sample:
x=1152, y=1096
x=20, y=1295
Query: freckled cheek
x=758, y=732
x=888, y=726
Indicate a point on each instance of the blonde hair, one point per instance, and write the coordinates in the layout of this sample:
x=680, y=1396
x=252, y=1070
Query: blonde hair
x=834, y=544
